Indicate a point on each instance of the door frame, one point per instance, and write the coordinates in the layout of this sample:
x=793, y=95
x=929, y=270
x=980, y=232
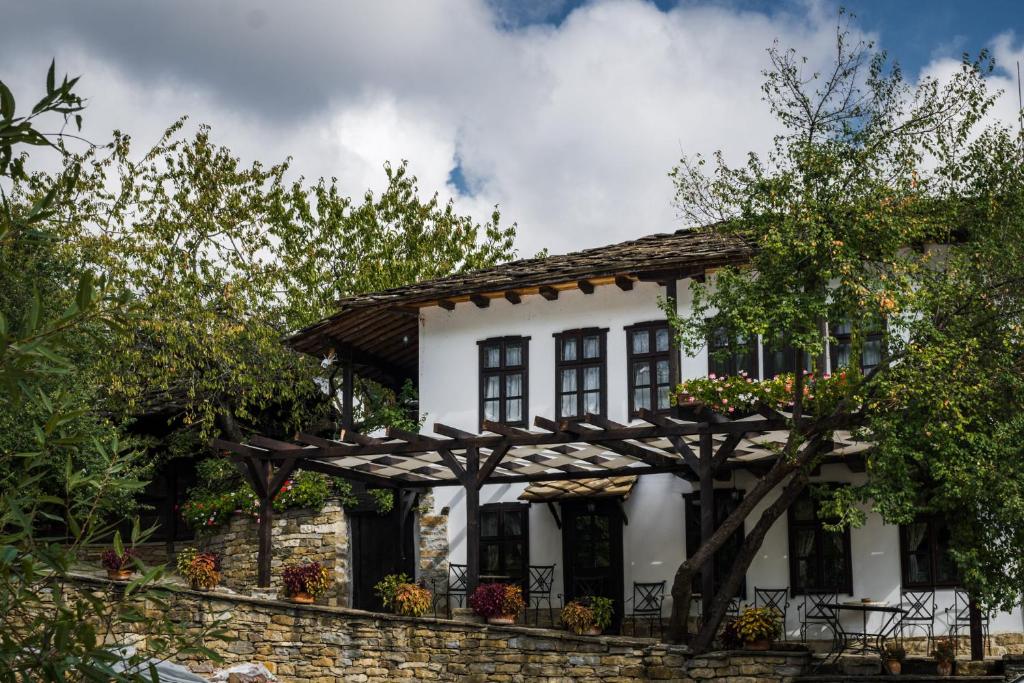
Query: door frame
x=610, y=508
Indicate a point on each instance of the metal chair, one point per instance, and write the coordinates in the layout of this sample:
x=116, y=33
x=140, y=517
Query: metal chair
x=542, y=582
x=457, y=587
x=647, y=601
x=733, y=610
x=959, y=616
x=919, y=613
x=776, y=599
x=815, y=611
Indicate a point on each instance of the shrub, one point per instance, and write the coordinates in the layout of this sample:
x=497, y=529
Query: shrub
x=114, y=562
x=387, y=587
x=497, y=600
x=731, y=638
x=202, y=570
x=577, y=617
x=308, y=577
x=412, y=600
x=758, y=623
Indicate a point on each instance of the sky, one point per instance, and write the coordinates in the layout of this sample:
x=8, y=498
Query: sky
x=565, y=114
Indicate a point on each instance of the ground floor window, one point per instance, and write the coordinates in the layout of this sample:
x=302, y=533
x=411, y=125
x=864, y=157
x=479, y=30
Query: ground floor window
x=819, y=559
x=725, y=502
x=504, y=542
x=924, y=554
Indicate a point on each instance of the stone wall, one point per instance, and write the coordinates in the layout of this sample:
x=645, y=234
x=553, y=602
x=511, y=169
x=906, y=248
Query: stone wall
x=298, y=535
x=315, y=644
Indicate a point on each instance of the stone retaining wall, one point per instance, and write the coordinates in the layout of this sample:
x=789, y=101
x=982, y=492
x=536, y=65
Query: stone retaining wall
x=314, y=644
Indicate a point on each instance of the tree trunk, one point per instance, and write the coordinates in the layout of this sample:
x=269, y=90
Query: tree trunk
x=682, y=588
x=751, y=545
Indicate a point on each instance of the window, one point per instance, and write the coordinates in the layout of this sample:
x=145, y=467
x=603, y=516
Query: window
x=581, y=372
x=503, y=380
x=924, y=554
x=649, y=364
x=778, y=357
x=732, y=354
x=725, y=502
x=819, y=560
x=504, y=543
x=841, y=349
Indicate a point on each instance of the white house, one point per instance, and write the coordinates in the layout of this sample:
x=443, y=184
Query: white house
x=584, y=333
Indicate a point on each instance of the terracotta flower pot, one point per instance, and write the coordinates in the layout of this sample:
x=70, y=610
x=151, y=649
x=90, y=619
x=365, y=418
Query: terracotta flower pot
x=894, y=666
x=196, y=586
x=119, y=574
x=758, y=645
x=301, y=598
x=502, y=620
x=593, y=631
x=944, y=668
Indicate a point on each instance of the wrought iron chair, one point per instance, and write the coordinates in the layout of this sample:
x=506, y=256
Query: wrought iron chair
x=542, y=582
x=733, y=610
x=647, y=601
x=919, y=613
x=959, y=617
x=776, y=599
x=815, y=612
x=458, y=584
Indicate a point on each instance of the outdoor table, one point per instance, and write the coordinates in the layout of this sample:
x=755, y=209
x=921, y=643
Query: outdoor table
x=862, y=641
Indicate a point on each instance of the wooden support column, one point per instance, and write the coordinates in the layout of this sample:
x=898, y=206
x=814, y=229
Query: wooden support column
x=266, y=528
x=977, y=633
x=404, y=499
x=347, y=390
x=472, y=520
x=707, y=517
x=671, y=293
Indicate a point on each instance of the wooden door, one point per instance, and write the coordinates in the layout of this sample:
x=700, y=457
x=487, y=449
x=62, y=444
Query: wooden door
x=377, y=552
x=592, y=552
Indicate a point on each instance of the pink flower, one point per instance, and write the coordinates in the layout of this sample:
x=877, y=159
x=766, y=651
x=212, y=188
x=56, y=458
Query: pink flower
x=712, y=376
x=725, y=401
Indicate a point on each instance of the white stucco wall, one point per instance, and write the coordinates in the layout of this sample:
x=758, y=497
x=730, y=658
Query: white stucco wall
x=654, y=539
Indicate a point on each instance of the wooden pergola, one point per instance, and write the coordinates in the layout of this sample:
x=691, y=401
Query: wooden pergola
x=697, y=444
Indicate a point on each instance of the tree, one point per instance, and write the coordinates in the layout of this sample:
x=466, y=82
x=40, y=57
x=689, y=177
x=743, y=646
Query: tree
x=224, y=259
x=53, y=632
x=880, y=204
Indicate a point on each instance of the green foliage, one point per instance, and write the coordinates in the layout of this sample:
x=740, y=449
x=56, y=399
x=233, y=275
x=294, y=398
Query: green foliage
x=386, y=588
x=52, y=631
x=384, y=498
x=758, y=623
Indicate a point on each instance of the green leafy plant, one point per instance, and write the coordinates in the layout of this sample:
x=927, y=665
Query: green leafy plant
x=387, y=587
x=758, y=623
x=384, y=500
x=588, y=612
x=944, y=650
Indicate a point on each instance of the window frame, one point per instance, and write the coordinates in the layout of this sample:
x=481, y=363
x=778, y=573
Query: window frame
x=733, y=370
x=651, y=358
x=933, y=523
x=767, y=369
x=578, y=364
x=502, y=371
x=502, y=541
x=848, y=338
x=845, y=586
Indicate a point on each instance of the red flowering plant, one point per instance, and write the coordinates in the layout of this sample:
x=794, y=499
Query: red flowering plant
x=497, y=600
x=308, y=577
x=741, y=394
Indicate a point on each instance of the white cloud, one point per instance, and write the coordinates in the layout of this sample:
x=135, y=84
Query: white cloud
x=570, y=129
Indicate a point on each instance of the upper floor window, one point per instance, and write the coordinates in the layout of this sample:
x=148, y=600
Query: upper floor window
x=819, y=559
x=732, y=354
x=842, y=348
x=924, y=554
x=649, y=364
x=504, y=378
x=581, y=372
x=779, y=357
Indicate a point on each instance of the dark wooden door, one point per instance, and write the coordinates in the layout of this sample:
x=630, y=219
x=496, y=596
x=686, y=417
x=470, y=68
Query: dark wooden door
x=592, y=552
x=379, y=548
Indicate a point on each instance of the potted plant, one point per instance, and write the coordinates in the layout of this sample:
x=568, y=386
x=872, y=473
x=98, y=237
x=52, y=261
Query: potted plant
x=589, y=615
x=757, y=627
x=402, y=596
x=306, y=582
x=944, y=653
x=201, y=569
x=894, y=654
x=119, y=565
x=498, y=603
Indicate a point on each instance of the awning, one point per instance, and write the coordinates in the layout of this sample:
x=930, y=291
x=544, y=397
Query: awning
x=549, y=491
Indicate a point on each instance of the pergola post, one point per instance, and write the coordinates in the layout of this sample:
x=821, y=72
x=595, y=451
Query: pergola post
x=707, y=517
x=472, y=520
x=347, y=389
x=266, y=531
